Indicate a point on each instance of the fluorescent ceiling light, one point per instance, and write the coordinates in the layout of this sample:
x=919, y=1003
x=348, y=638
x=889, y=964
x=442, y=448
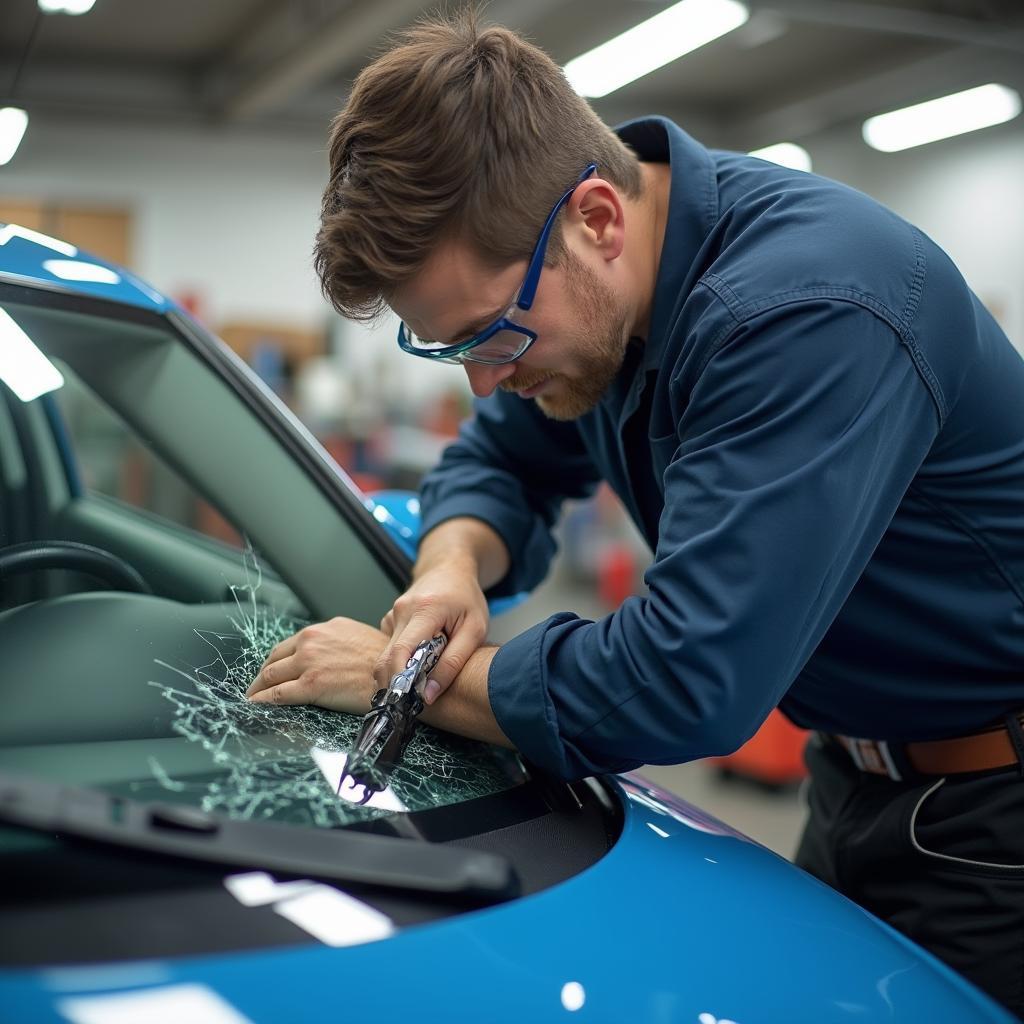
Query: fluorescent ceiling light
x=66, y=6
x=23, y=368
x=678, y=30
x=788, y=154
x=942, y=118
x=13, y=122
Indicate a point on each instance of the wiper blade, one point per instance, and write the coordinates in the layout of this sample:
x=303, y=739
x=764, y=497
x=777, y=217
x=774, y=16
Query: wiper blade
x=174, y=830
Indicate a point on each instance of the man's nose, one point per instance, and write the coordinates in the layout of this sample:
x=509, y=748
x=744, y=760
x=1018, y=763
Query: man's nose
x=484, y=378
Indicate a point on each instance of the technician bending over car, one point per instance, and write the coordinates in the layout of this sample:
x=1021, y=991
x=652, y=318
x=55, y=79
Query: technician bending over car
x=814, y=422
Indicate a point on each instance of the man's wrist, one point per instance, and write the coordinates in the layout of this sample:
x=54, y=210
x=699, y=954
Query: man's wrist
x=464, y=544
x=465, y=707
x=456, y=558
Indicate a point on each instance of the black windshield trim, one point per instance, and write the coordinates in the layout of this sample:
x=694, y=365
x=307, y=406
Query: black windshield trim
x=337, y=855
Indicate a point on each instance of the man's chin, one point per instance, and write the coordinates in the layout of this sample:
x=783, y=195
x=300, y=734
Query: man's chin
x=566, y=406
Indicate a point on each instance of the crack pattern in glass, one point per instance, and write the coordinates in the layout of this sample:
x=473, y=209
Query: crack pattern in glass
x=279, y=762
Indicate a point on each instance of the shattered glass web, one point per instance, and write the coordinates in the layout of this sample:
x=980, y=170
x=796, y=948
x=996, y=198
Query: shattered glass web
x=261, y=762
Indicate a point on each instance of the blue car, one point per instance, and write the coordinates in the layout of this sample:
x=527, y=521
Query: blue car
x=172, y=852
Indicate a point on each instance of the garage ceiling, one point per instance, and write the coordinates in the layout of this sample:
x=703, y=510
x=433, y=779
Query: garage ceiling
x=797, y=67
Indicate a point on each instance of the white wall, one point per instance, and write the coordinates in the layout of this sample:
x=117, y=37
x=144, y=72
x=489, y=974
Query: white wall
x=231, y=217
x=967, y=193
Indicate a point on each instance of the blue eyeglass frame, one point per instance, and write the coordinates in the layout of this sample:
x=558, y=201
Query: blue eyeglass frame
x=524, y=300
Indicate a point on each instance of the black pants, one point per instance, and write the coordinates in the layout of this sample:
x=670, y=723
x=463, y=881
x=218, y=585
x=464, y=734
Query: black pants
x=940, y=860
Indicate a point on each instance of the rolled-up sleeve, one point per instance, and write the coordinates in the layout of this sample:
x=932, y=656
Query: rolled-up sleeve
x=512, y=468
x=792, y=454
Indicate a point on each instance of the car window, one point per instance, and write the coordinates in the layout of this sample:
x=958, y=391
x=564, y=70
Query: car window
x=113, y=461
x=187, y=414
x=146, y=441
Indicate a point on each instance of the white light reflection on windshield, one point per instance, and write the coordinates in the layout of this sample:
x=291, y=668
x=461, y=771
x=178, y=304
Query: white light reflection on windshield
x=332, y=764
x=23, y=368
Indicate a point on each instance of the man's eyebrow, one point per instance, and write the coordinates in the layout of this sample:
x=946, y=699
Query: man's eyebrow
x=477, y=325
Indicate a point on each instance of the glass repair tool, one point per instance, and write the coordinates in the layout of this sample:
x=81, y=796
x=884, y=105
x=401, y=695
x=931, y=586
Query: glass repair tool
x=388, y=726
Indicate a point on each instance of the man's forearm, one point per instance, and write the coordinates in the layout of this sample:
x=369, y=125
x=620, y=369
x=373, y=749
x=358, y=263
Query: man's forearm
x=465, y=707
x=465, y=546
x=466, y=541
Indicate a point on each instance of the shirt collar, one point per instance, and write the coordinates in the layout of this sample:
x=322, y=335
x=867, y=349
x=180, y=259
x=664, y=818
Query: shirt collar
x=692, y=213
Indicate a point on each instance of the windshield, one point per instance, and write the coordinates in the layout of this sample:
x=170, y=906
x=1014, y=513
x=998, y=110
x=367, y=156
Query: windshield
x=144, y=444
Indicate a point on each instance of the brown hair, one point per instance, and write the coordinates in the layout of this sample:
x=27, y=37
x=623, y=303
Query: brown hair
x=456, y=131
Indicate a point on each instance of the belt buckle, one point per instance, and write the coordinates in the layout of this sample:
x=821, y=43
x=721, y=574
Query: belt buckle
x=874, y=756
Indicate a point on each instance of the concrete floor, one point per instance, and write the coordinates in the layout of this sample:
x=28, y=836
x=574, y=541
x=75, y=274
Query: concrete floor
x=774, y=818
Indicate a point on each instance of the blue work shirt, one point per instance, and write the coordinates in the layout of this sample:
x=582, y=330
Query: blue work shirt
x=822, y=440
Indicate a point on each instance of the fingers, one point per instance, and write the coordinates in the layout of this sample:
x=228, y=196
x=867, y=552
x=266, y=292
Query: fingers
x=292, y=692
x=396, y=655
x=282, y=682
x=327, y=663
x=285, y=649
x=445, y=599
x=464, y=639
x=274, y=672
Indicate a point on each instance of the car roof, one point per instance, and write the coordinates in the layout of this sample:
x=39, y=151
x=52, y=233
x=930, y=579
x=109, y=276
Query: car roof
x=30, y=257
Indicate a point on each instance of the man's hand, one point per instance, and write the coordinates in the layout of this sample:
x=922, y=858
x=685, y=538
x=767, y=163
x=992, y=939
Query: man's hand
x=446, y=598
x=330, y=664
x=341, y=663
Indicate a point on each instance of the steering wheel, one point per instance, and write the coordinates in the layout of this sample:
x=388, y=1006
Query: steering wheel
x=63, y=554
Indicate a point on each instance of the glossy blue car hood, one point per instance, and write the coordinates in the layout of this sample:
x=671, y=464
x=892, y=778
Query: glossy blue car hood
x=38, y=259
x=683, y=920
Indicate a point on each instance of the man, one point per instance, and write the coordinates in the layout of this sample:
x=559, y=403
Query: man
x=813, y=421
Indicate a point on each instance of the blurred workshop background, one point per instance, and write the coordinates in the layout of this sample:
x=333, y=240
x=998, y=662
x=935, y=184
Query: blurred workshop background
x=186, y=140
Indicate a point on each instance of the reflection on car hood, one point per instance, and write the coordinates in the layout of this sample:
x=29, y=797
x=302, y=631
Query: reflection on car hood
x=39, y=259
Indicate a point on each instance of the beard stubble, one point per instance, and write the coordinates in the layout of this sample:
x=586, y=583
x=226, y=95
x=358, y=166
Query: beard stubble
x=598, y=342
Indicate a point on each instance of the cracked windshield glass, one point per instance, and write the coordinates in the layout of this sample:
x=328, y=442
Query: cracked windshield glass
x=215, y=546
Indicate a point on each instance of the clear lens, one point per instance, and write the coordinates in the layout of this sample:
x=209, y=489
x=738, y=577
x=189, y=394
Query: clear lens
x=502, y=347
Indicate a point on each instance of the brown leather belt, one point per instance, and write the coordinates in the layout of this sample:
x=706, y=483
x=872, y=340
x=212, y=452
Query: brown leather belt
x=982, y=751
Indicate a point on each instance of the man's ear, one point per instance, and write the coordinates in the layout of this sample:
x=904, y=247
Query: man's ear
x=595, y=210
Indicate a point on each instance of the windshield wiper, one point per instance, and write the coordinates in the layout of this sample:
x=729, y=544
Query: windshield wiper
x=172, y=830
